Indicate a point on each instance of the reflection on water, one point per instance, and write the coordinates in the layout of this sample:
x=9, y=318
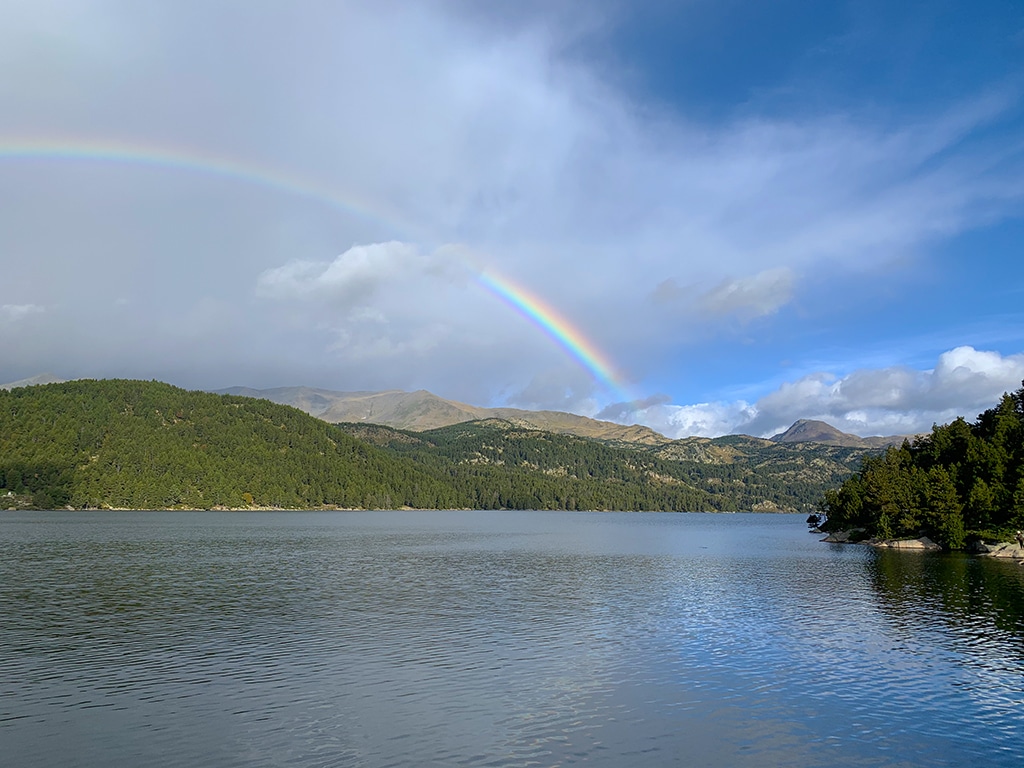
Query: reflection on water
x=505, y=639
x=961, y=618
x=961, y=590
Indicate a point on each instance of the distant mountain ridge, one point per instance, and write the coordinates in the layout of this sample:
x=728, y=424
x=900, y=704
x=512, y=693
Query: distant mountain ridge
x=752, y=473
x=420, y=411
x=812, y=431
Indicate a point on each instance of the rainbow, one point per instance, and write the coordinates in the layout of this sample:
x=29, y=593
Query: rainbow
x=542, y=315
x=557, y=328
x=190, y=160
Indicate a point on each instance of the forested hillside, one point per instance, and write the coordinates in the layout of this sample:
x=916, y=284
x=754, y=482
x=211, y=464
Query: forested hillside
x=963, y=479
x=505, y=466
x=144, y=445
x=731, y=473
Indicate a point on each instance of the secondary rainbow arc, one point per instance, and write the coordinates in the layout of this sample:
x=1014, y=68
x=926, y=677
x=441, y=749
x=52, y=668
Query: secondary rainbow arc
x=195, y=161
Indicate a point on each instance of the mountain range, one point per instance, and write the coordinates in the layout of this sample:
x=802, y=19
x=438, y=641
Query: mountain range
x=148, y=445
x=422, y=410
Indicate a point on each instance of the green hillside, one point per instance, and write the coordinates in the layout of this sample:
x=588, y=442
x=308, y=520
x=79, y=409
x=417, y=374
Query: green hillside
x=505, y=466
x=148, y=445
x=733, y=473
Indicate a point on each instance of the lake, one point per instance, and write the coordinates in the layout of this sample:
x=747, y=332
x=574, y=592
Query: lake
x=497, y=639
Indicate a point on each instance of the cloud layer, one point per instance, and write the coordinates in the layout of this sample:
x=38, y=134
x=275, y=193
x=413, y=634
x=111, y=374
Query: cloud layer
x=887, y=401
x=424, y=132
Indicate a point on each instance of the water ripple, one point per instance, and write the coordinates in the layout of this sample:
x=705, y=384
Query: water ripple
x=490, y=639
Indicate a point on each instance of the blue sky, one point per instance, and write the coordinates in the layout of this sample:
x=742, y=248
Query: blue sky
x=757, y=211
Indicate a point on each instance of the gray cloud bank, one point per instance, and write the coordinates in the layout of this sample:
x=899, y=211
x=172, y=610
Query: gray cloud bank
x=648, y=229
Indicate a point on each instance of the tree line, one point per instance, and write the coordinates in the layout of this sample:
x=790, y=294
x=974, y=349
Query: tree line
x=963, y=480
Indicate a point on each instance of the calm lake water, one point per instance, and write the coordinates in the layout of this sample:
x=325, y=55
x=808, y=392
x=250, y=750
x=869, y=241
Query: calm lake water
x=497, y=639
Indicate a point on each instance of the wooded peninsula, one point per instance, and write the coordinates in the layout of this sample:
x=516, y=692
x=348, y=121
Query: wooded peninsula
x=964, y=480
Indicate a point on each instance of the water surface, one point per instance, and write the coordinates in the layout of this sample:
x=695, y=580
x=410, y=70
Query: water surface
x=497, y=639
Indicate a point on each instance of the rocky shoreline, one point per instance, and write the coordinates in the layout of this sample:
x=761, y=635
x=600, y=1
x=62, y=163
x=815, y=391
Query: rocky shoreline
x=1004, y=550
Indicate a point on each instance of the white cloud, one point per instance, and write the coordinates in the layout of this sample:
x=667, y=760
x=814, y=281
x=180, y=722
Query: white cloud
x=894, y=400
x=755, y=296
x=563, y=388
x=353, y=276
x=390, y=309
x=15, y=312
x=699, y=419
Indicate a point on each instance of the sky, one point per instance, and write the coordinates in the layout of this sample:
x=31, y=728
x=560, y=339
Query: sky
x=707, y=217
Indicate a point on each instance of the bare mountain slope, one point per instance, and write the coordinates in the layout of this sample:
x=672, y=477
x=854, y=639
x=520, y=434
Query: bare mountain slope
x=811, y=431
x=313, y=401
x=422, y=410
x=418, y=411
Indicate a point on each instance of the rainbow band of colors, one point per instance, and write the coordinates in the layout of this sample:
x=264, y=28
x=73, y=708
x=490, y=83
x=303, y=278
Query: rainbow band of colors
x=169, y=158
x=547, y=318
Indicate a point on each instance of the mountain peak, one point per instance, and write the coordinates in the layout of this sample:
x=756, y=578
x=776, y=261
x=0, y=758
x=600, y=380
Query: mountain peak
x=422, y=410
x=814, y=431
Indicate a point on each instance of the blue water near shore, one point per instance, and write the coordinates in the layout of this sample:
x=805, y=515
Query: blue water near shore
x=497, y=639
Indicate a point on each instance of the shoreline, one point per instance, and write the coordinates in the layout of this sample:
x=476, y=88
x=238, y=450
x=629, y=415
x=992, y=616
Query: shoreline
x=1003, y=550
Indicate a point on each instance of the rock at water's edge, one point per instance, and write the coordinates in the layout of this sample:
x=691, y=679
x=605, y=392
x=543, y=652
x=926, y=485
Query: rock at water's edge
x=1006, y=550
x=1010, y=551
x=923, y=543
x=844, y=537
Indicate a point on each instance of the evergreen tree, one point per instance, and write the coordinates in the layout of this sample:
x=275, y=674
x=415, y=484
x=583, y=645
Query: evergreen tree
x=961, y=479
